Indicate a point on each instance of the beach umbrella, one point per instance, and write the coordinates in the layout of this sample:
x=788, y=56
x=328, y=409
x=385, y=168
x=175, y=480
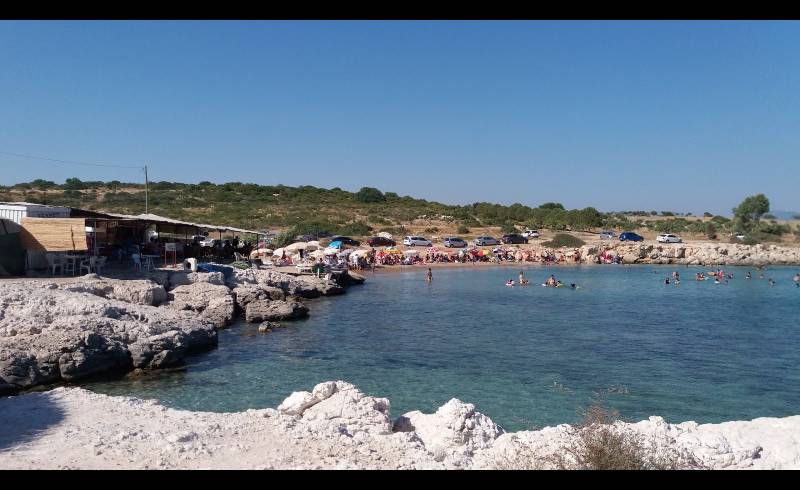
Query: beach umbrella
x=336, y=244
x=345, y=253
x=312, y=245
x=296, y=246
x=330, y=251
x=278, y=252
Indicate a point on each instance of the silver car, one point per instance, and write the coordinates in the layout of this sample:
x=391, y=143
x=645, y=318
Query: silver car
x=454, y=242
x=486, y=240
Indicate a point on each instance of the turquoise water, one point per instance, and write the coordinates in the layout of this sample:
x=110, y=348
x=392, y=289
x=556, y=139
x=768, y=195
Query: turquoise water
x=525, y=356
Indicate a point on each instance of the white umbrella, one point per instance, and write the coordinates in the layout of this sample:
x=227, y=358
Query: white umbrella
x=278, y=252
x=331, y=251
x=296, y=246
x=312, y=245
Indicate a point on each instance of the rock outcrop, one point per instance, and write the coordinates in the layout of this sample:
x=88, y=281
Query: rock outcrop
x=303, y=286
x=139, y=292
x=274, y=310
x=706, y=254
x=337, y=426
x=455, y=431
x=49, y=334
x=214, y=302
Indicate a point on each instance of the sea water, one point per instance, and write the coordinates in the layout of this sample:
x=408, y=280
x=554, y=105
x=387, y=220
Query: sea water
x=526, y=356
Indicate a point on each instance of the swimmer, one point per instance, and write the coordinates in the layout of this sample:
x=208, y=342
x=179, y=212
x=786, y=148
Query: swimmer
x=510, y=283
x=429, y=275
x=748, y=276
x=771, y=282
x=666, y=281
x=796, y=279
x=573, y=286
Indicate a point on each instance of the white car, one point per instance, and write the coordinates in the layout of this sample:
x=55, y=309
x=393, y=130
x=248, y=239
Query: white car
x=416, y=241
x=668, y=238
x=531, y=234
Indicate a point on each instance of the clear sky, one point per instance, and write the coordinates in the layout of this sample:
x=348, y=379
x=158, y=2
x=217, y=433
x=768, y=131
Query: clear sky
x=682, y=116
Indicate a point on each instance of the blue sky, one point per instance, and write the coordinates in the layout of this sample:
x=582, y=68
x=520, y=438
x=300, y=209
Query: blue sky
x=682, y=116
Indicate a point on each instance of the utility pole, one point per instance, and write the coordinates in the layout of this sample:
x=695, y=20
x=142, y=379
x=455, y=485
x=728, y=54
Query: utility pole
x=145, y=190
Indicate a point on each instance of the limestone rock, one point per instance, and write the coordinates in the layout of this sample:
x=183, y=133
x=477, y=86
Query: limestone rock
x=215, y=302
x=455, y=429
x=267, y=310
x=184, y=278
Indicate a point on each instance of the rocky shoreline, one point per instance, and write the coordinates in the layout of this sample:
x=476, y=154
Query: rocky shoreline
x=337, y=426
x=706, y=254
x=63, y=332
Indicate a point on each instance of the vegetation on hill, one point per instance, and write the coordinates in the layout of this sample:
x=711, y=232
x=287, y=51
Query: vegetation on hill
x=308, y=209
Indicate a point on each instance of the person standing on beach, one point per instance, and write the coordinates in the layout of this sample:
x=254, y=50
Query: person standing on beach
x=429, y=275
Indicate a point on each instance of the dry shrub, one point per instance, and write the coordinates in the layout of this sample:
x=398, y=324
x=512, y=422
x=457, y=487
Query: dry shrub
x=597, y=443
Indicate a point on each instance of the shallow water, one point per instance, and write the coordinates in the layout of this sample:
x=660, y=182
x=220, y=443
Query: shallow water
x=525, y=356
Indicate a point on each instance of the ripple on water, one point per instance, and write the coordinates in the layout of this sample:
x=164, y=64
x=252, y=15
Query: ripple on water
x=525, y=356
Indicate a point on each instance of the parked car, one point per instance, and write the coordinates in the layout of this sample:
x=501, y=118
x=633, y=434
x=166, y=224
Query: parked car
x=740, y=236
x=345, y=240
x=379, y=241
x=630, y=236
x=417, y=241
x=454, y=242
x=514, y=238
x=668, y=238
x=607, y=235
x=531, y=234
x=486, y=240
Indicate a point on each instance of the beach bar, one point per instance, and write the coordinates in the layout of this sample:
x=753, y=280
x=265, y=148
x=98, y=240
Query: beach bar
x=32, y=232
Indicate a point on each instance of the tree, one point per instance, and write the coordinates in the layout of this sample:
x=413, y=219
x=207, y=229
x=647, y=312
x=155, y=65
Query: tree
x=711, y=230
x=552, y=205
x=369, y=194
x=748, y=214
x=707, y=214
x=73, y=184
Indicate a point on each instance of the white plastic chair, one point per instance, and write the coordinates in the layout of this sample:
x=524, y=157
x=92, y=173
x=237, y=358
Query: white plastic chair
x=68, y=266
x=137, y=261
x=99, y=264
x=54, y=263
x=88, y=264
x=148, y=263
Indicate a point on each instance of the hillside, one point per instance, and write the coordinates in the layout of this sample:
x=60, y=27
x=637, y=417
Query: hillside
x=307, y=208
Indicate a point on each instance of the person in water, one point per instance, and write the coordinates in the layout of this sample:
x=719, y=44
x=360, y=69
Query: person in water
x=573, y=286
x=551, y=281
x=666, y=280
x=748, y=276
x=429, y=275
x=522, y=280
x=510, y=282
x=771, y=282
x=796, y=279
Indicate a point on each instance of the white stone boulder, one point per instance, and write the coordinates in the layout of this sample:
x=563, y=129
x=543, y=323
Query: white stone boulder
x=455, y=430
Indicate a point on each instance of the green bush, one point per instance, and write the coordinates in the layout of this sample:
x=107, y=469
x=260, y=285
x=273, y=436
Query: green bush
x=432, y=229
x=509, y=228
x=370, y=194
x=354, y=229
x=462, y=229
x=564, y=240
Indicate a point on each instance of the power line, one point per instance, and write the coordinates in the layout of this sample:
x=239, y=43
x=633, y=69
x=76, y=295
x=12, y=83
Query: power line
x=139, y=167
